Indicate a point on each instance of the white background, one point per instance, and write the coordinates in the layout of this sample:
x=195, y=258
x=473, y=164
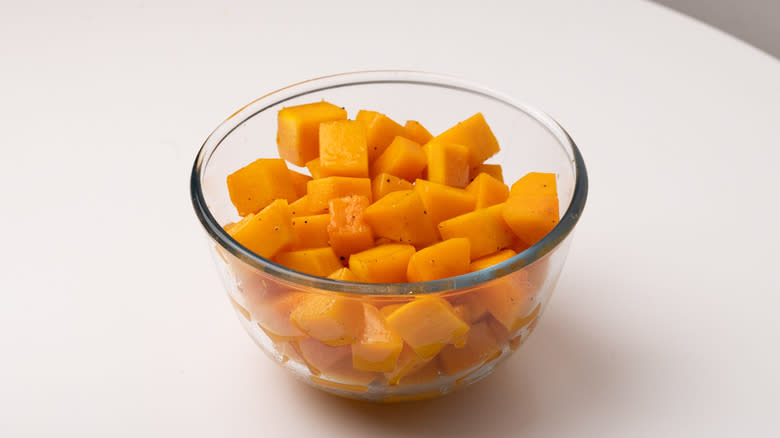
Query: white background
x=113, y=321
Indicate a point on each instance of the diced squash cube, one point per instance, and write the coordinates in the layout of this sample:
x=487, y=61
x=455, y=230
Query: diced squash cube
x=448, y=163
x=401, y=216
x=342, y=375
x=267, y=232
x=382, y=264
x=379, y=346
x=428, y=372
x=330, y=318
x=322, y=190
x=508, y=300
x=444, y=202
x=535, y=184
x=299, y=181
x=404, y=158
x=312, y=231
x=449, y=258
x=500, y=333
x=298, y=130
x=381, y=131
x=273, y=316
x=427, y=324
x=488, y=190
x=388, y=309
x=486, y=230
x=347, y=230
x=480, y=347
x=472, y=307
x=493, y=170
x=302, y=207
x=344, y=274
x=385, y=183
x=343, y=149
x=256, y=185
x=531, y=218
x=316, y=261
x=408, y=362
x=475, y=134
x=320, y=357
x=492, y=259
x=417, y=132
x=315, y=168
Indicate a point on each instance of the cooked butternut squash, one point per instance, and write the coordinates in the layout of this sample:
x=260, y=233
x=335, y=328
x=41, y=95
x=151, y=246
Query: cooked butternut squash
x=343, y=149
x=329, y=318
x=298, y=181
x=486, y=230
x=492, y=259
x=315, y=261
x=427, y=324
x=315, y=168
x=322, y=190
x=493, y=170
x=449, y=258
x=401, y=216
x=488, y=190
x=480, y=347
x=273, y=316
x=382, y=264
x=448, y=163
x=267, y=232
x=298, y=130
x=414, y=130
x=443, y=202
x=347, y=230
x=312, y=231
x=381, y=131
x=385, y=183
x=256, y=185
x=475, y=134
x=408, y=363
x=379, y=346
x=344, y=274
x=403, y=158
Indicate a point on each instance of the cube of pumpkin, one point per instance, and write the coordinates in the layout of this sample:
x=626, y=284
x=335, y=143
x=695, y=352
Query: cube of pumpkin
x=401, y=216
x=473, y=307
x=315, y=167
x=273, y=316
x=330, y=318
x=448, y=163
x=299, y=181
x=320, y=357
x=444, y=202
x=347, y=229
x=322, y=190
x=408, y=362
x=267, y=232
x=493, y=170
x=379, y=346
x=480, y=347
x=382, y=264
x=386, y=310
x=492, y=259
x=417, y=132
x=312, y=231
x=256, y=185
x=343, y=149
x=488, y=190
x=302, y=207
x=381, y=131
x=535, y=184
x=531, y=218
x=298, y=130
x=404, y=158
x=344, y=274
x=427, y=373
x=427, y=324
x=385, y=183
x=315, y=261
x=486, y=230
x=475, y=134
x=508, y=299
x=449, y=258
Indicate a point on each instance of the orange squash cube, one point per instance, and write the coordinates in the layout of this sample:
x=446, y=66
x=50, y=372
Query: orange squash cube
x=273, y=316
x=472, y=307
x=385, y=183
x=493, y=170
x=378, y=347
x=535, y=184
x=480, y=347
x=475, y=134
x=417, y=132
x=486, y=230
x=492, y=259
x=427, y=324
x=531, y=218
x=302, y=207
x=344, y=274
x=381, y=131
x=316, y=261
x=256, y=185
x=320, y=357
x=299, y=181
x=401, y=216
x=385, y=311
x=449, y=258
x=298, y=130
x=448, y=163
x=488, y=190
x=315, y=168
x=343, y=149
x=444, y=202
x=382, y=264
x=404, y=158
x=508, y=300
x=347, y=230
x=428, y=372
x=322, y=190
x=312, y=231
x=268, y=231
x=329, y=318
x=408, y=363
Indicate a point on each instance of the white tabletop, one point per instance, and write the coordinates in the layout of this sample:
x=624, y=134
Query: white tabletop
x=113, y=321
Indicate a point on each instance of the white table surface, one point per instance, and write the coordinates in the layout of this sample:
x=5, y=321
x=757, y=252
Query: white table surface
x=112, y=318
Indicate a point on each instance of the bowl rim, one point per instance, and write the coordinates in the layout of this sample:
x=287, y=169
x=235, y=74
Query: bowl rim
x=541, y=248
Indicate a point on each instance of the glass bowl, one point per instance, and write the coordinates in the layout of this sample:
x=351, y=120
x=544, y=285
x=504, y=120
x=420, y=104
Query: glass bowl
x=501, y=304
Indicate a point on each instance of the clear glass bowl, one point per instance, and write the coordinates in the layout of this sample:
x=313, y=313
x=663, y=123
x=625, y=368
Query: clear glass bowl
x=264, y=292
